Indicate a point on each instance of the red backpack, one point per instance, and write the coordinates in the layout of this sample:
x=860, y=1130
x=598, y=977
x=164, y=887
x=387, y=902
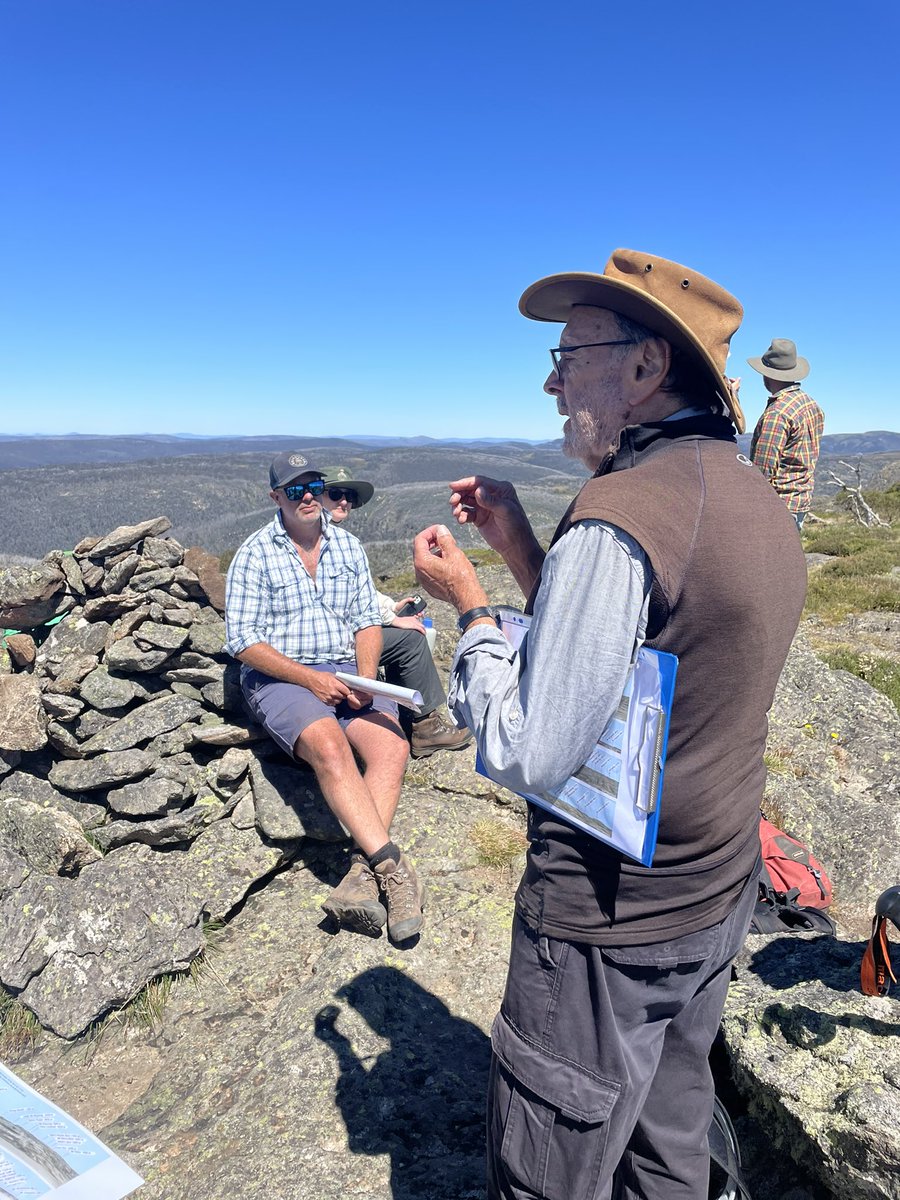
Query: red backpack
x=793, y=886
x=791, y=865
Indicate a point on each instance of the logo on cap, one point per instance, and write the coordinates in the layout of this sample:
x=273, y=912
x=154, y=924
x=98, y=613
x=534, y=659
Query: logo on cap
x=297, y=460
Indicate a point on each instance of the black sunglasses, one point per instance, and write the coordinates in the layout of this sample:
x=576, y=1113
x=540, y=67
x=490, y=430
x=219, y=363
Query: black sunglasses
x=339, y=493
x=296, y=491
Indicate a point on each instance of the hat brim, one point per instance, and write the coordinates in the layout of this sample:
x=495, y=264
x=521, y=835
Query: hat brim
x=793, y=376
x=293, y=478
x=364, y=490
x=555, y=297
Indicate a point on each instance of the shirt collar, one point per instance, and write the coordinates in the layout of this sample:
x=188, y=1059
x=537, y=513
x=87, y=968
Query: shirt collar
x=791, y=387
x=690, y=410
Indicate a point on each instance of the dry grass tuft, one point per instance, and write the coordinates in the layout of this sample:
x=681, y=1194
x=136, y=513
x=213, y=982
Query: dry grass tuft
x=779, y=760
x=497, y=844
x=20, y=1029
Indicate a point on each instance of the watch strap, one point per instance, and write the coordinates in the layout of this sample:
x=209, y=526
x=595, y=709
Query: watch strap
x=472, y=615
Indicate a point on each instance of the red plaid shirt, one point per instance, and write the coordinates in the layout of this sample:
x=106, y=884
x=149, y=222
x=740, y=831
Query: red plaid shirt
x=785, y=445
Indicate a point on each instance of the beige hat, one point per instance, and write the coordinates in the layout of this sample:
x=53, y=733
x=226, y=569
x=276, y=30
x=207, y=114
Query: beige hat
x=684, y=307
x=781, y=361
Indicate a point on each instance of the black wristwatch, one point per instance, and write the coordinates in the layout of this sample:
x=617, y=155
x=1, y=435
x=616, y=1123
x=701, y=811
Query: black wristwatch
x=472, y=615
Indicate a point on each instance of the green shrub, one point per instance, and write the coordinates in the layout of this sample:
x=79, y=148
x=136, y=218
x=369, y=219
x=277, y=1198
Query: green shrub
x=833, y=597
x=887, y=503
x=876, y=559
x=844, y=539
x=882, y=673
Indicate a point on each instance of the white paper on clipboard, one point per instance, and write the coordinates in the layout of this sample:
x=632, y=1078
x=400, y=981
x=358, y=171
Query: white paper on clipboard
x=614, y=795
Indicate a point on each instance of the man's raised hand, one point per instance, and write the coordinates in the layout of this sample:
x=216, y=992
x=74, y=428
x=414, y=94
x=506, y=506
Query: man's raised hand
x=444, y=571
x=493, y=507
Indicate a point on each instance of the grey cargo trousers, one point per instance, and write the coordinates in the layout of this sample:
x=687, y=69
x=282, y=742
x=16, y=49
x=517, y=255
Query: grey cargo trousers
x=600, y=1084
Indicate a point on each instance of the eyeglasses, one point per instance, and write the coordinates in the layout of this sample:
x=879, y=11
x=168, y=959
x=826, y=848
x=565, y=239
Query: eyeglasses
x=296, y=491
x=348, y=494
x=558, y=351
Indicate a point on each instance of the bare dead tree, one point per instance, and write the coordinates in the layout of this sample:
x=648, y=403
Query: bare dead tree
x=863, y=512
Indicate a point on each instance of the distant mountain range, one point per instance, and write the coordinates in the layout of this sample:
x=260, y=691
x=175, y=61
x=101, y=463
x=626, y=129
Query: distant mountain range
x=878, y=441
x=55, y=491
x=43, y=450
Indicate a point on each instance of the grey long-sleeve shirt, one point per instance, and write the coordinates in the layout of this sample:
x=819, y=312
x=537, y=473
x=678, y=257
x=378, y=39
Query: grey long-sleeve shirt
x=537, y=714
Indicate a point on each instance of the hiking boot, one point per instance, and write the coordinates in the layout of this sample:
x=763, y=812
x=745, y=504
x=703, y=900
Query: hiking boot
x=356, y=903
x=404, y=896
x=433, y=733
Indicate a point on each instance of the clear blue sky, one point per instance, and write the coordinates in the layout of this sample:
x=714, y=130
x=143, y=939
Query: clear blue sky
x=268, y=216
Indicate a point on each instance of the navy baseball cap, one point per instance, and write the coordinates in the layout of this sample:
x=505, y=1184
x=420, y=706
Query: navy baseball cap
x=288, y=466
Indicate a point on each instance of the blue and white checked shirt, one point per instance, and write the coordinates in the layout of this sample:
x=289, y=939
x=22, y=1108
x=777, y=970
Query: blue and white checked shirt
x=270, y=596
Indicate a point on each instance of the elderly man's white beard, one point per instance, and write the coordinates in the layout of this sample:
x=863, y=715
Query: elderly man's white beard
x=590, y=438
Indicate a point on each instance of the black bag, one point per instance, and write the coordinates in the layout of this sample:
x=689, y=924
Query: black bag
x=779, y=912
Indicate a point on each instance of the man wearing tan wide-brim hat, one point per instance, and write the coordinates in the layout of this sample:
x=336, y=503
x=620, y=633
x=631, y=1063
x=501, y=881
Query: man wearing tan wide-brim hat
x=786, y=439
x=618, y=971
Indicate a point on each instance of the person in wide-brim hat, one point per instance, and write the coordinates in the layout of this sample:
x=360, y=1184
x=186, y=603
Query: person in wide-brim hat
x=674, y=544
x=340, y=477
x=697, y=316
x=782, y=362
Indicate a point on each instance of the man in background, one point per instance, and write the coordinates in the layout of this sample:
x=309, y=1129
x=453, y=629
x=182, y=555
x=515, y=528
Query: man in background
x=405, y=653
x=785, y=443
x=299, y=607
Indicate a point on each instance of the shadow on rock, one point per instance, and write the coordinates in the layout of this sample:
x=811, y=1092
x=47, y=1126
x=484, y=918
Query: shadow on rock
x=786, y=961
x=808, y=1028
x=422, y=1099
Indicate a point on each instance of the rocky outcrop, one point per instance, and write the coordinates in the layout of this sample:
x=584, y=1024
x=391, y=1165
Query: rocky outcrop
x=314, y=1064
x=137, y=802
x=834, y=780
x=819, y=1062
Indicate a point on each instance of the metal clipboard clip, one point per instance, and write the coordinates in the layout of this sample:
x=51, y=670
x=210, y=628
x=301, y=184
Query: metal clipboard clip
x=653, y=727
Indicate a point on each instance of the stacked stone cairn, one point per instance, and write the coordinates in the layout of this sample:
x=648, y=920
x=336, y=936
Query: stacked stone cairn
x=137, y=801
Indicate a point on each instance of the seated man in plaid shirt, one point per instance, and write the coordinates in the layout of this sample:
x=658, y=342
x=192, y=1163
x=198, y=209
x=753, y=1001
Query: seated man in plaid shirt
x=300, y=605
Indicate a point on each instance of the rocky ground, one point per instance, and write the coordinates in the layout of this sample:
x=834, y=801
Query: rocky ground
x=298, y=1063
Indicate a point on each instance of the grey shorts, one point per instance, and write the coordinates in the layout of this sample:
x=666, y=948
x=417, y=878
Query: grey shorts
x=286, y=709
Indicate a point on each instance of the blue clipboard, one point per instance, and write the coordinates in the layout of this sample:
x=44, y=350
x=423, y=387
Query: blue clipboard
x=615, y=794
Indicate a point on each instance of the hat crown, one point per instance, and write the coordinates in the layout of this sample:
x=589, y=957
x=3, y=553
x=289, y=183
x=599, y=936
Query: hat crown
x=288, y=466
x=712, y=315
x=781, y=355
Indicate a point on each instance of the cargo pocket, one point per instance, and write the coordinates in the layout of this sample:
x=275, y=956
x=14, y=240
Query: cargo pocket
x=548, y=1120
x=684, y=952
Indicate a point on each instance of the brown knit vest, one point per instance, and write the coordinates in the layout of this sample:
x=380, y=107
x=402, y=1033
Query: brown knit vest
x=729, y=581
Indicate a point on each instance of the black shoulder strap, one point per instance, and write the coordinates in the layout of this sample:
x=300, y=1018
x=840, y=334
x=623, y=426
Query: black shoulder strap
x=775, y=913
x=724, y=1150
